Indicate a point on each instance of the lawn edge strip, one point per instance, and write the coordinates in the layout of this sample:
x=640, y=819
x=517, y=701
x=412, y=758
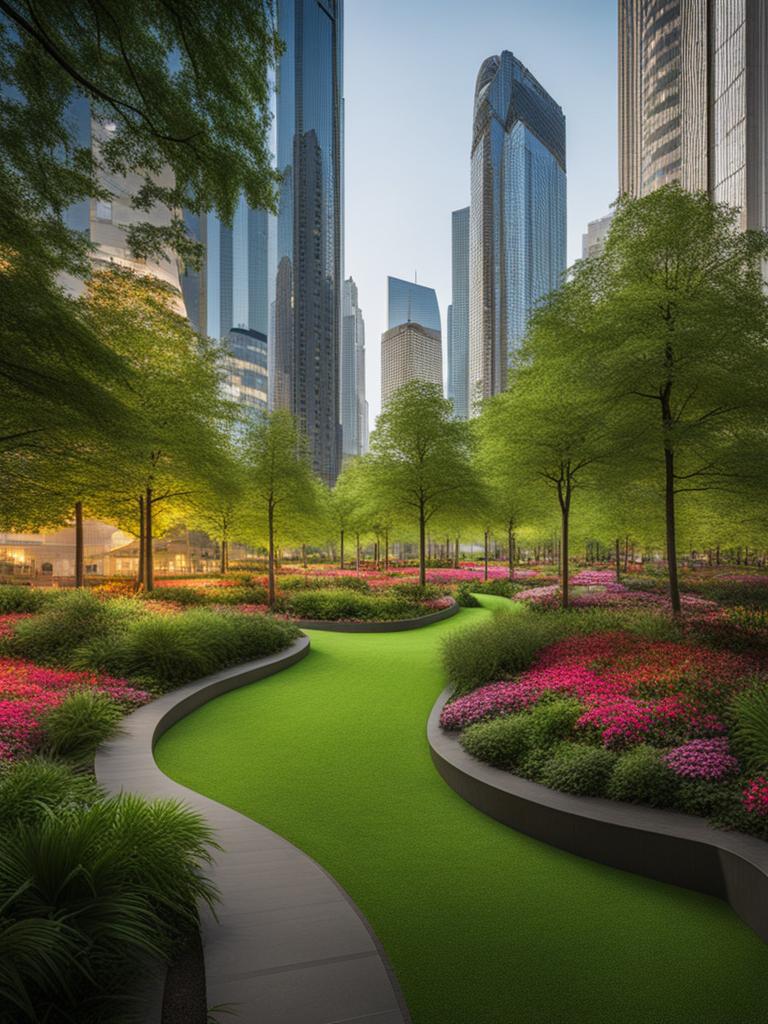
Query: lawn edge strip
x=664, y=845
x=394, y=626
x=322, y=952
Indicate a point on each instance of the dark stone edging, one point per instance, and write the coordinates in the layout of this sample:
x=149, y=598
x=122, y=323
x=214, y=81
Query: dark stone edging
x=664, y=845
x=289, y=943
x=395, y=626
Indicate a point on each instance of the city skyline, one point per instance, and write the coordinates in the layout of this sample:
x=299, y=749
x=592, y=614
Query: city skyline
x=403, y=195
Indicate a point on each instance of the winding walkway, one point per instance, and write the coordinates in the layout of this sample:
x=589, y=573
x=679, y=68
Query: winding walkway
x=482, y=924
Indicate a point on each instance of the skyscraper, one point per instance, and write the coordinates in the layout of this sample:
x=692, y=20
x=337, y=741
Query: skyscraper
x=593, y=240
x=458, y=316
x=409, y=352
x=228, y=297
x=407, y=300
x=353, y=403
x=309, y=224
x=693, y=100
x=517, y=222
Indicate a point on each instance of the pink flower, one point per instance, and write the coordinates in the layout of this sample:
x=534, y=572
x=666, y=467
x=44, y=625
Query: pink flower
x=702, y=759
x=754, y=797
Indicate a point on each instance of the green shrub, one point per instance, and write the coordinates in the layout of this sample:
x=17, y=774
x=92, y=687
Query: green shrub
x=29, y=787
x=53, y=636
x=707, y=798
x=503, y=742
x=87, y=897
x=341, y=604
x=579, y=769
x=499, y=588
x=416, y=592
x=187, y=596
x=250, y=593
x=464, y=596
x=553, y=720
x=24, y=599
x=641, y=777
x=173, y=649
x=749, y=728
x=289, y=584
x=83, y=720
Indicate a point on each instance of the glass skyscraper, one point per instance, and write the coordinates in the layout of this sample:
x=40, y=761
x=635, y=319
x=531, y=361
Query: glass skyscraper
x=693, y=100
x=307, y=318
x=458, y=316
x=408, y=302
x=354, y=408
x=517, y=223
x=229, y=297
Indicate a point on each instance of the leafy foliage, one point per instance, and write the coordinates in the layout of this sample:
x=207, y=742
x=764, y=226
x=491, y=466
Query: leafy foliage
x=80, y=723
x=749, y=730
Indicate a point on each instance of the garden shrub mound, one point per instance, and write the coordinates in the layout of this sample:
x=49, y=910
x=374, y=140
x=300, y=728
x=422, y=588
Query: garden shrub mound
x=129, y=639
x=640, y=713
x=92, y=891
x=341, y=604
x=23, y=599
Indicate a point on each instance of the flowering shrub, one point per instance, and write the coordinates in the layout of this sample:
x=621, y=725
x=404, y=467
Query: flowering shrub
x=28, y=692
x=8, y=622
x=608, y=593
x=703, y=759
x=491, y=701
x=755, y=796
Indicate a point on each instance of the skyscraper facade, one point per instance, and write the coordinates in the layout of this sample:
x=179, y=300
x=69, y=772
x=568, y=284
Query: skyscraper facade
x=228, y=298
x=458, y=316
x=517, y=221
x=407, y=300
x=353, y=403
x=693, y=100
x=593, y=240
x=307, y=317
x=409, y=352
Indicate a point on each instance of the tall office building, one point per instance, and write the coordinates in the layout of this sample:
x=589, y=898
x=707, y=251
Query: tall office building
x=458, y=316
x=593, y=240
x=517, y=222
x=409, y=351
x=353, y=403
x=407, y=300
x=693, y=100
x=228, y=298
x=307, y=318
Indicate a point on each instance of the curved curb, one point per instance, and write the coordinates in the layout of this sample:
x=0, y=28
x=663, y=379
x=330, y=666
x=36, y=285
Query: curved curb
x=664, y=845
x=396, y=626
x=287, y=943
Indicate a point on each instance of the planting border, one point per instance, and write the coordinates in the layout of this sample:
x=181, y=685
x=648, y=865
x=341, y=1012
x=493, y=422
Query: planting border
x=664, y=845
x=287, y=942
x=395, y=626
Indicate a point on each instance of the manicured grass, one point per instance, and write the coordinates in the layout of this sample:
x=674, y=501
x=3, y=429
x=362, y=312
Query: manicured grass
x=482, y=925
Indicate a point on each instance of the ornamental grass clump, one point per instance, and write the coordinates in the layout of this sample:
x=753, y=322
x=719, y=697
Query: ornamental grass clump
x=36, y=785
x=79, y=724
x=24, y=599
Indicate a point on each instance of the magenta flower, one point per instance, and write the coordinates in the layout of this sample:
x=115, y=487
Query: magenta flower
x=754, y=797
x=702, y=759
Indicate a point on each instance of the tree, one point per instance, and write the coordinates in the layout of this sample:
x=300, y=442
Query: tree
x=159, y=96
x=279, y=476
x=422, y=458
x=679, y=334
x=181, y=422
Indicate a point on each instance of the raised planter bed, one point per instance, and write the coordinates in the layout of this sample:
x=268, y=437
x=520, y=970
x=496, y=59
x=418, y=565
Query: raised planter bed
x=664, y=845
x=395, y=626
x=287, y=943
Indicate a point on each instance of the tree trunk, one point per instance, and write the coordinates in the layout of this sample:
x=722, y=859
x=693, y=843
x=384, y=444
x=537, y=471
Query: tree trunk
x=674, y=585
x=357, y=553
x=511, y=552
x=618, y=561
x=626, y=553
x=149, y=560
x=564, y=496
x=304, y=555
x=341, y=548
x=485, y=555
x=456, y=559
x=223, y=559
x=271, y=558
x=717, y=555
x=142, y=544
x=78, y=543
x=386, y=550
x=422, y=547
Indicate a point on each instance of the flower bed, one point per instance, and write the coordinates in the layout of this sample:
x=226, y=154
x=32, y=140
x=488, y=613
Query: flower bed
x=613, y=713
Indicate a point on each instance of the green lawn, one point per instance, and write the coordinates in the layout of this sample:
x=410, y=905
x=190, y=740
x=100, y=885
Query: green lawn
x=482, y=925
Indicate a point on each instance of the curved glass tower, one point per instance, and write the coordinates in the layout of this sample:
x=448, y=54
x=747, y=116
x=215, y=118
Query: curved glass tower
x=307, y=331
x=458, y=316
x=517, y=224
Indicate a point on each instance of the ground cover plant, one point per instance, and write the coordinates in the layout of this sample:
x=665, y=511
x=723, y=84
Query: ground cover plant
x=658, y=715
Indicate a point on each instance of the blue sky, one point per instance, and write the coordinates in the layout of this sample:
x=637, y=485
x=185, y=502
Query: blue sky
x=409, y=79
